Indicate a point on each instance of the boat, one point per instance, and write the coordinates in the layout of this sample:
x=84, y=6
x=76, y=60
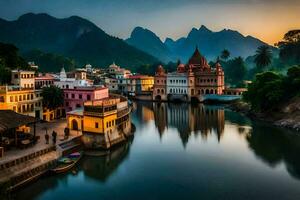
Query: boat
x=66, y=163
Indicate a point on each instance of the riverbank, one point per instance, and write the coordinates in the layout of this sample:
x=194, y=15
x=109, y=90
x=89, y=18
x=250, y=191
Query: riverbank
x=287, y=115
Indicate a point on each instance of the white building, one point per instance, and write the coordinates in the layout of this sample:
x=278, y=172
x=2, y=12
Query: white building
x=177, y=83
x=79, y=80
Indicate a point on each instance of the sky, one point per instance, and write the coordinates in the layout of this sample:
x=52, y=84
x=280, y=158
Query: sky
x=267, y=20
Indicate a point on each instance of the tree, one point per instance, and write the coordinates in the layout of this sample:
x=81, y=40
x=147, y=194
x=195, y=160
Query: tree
x=235, y=70
x=225, y=54
x=52, y=97
x=290, y=47
x=266, y=91
x=263, y=57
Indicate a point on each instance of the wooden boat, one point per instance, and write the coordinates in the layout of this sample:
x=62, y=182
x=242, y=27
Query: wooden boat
x=66, y=163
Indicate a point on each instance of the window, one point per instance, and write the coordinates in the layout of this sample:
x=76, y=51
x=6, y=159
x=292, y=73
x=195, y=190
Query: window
x=11, y=99
x=31, y=96
x=96, y=125
x=80, y=96
x=88, y=97
x=73, y=96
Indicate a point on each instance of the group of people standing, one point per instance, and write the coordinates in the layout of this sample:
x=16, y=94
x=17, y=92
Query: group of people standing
x=54, y=136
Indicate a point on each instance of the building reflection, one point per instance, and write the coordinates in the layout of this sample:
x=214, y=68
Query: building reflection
x=100, y=168
x=188, y=119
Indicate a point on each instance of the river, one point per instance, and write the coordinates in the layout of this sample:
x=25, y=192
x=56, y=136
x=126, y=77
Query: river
x=183, y=151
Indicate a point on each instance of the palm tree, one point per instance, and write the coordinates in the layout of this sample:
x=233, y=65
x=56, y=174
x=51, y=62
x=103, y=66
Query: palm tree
x=263, y=56
x=225, y=54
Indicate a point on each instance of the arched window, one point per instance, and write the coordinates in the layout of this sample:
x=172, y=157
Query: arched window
x=211, y=91
x=207, y=91
x=158, y=91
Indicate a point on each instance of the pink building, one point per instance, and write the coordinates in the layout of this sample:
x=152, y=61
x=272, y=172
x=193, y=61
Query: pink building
x=75, y=98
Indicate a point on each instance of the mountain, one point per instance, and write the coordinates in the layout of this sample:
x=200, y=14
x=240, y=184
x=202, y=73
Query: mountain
x=74, y=37
x=209, y=42
x=148, y=42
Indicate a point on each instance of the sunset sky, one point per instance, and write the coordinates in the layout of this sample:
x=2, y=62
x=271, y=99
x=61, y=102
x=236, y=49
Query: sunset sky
x=267, y=20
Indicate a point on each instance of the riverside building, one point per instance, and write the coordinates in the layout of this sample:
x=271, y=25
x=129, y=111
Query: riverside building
x=103, y=123
x=21, y=96
x=191, y=81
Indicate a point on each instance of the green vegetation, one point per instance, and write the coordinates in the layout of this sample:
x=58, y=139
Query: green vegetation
x=270, y=89
x=290, y=48
x=235, y=70
x=150, y=69
x=263, y=57
x=225, y=54
x=10, y=59
x=52, y=97
x=49, y=62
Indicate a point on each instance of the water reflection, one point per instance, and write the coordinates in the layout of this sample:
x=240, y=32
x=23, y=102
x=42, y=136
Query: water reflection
x=274, y=146
x=270, y=144
x=187, y=119
x=100, y=168
x=225, y=155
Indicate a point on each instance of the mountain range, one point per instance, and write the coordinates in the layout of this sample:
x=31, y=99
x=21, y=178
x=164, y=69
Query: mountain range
x=73, y=37
x=210, y=43
x=42, y=37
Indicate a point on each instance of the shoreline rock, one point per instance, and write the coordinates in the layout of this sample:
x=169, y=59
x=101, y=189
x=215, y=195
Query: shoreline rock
x=288, y=115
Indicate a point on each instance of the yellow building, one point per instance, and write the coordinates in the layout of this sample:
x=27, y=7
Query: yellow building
x=103, y=123
x=21, y=96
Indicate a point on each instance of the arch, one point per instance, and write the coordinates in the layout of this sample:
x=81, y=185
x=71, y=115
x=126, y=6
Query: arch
x=74, y=125
x=211, y=91
x=162, y=91
x=207, y=91
x=158, y=91
x=202, y=91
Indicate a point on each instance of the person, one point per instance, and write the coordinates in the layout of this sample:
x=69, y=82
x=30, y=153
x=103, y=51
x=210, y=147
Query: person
x=47, y=138
x=67, y=133
x=54, y=134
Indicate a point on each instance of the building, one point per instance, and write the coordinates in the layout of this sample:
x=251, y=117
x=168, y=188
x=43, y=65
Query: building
x=77, y=79
x=140, y=85
x=104, y=123
x=74, y=98
x=44, y=81
x=21, y=96
x=189, y=81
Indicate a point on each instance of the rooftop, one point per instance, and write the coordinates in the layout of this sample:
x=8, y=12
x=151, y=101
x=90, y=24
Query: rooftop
x=10, y=119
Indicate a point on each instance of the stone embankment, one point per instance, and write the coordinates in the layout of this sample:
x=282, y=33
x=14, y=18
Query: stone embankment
x=287, y=116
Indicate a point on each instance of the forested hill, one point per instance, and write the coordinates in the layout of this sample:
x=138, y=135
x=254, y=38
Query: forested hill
x=73, y=37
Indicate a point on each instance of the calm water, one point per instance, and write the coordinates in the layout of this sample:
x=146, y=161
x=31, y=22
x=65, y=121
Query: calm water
x=186, y=152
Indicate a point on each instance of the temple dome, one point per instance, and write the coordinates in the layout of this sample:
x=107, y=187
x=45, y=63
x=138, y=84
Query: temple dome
x=198, y=60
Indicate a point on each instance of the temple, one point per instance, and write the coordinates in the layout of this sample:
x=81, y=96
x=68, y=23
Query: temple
x=190, y=81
